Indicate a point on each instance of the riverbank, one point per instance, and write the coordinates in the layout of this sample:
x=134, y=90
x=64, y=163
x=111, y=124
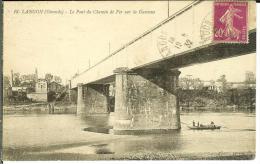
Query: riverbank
x=133, y=156
x=39, y=108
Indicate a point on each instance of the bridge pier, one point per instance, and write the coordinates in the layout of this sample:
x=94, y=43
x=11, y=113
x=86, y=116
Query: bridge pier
x=80, y=101
x=92, y=99
x=146, y=101
x=96, y=99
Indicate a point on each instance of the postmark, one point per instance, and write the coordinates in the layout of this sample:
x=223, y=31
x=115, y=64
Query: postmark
x=163, y=44
x=230, y=22
x=206, y=29
x=168, y=45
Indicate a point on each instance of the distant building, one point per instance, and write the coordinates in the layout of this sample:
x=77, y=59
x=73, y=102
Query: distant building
x=216, y=86
x=16, y=93
x=41, y=89
x=55, y=87
x=19, y=89
x=212, y=86
x=251, y=85
x=41, y=86
x=32, y=87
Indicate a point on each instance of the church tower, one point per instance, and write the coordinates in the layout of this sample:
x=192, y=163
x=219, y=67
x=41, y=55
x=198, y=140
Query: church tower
x=36, y=74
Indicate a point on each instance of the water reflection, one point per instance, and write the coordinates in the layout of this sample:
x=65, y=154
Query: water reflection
x=151, y=143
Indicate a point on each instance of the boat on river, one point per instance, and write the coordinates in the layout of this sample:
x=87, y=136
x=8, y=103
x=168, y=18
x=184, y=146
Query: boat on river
x=205, y=127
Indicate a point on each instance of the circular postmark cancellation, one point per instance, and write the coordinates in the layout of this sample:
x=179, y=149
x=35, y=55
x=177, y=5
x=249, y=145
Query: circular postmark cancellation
x=206, y=28
x=167, y=44
x=163, y=44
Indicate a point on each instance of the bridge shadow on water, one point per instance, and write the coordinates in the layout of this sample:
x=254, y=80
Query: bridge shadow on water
x=138, y=141
x=99, y=123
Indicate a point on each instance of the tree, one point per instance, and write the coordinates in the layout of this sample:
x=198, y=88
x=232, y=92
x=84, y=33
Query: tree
x=249, y=79
x=197, y=83
x=223, y=83
x=48, y=77
x=28, y=78
x=57, y=79
x=6, y=87
x=51, y=96
x=190, y=83
x=250, y=96
x=16, y=78
x=186, y=82
x=30, y=86
x=6, y=82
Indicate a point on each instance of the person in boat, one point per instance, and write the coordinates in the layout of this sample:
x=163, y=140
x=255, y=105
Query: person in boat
x=198, y=124
x=212, y=124
x=193, y=123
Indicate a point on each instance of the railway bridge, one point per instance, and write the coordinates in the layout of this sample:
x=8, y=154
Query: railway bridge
x=139, y=81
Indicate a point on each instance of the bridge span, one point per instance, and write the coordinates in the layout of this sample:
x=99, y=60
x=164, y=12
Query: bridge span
x=145, y=70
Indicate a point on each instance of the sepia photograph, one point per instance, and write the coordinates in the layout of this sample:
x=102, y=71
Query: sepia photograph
x=129, y=80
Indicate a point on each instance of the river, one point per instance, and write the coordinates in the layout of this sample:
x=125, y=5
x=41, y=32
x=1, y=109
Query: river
x=64, y=133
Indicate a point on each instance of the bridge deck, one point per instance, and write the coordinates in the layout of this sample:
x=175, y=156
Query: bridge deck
x=173, y=43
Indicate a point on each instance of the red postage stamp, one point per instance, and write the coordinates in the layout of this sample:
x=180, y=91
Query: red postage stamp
x=230, y=21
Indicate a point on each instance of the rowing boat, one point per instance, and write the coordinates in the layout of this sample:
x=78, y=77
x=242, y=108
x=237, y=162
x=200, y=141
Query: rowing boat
x=205, y=127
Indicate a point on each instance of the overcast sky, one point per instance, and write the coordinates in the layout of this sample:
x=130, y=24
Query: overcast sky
x=64, y=44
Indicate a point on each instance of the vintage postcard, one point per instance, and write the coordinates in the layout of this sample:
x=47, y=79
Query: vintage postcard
x=129, y=80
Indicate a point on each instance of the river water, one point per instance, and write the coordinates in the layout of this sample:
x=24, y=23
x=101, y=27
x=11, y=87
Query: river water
x=65, y=133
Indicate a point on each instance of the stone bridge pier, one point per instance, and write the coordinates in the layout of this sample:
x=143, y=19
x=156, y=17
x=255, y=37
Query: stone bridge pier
x=92, y=99
x=80, y=101
x=146, y=101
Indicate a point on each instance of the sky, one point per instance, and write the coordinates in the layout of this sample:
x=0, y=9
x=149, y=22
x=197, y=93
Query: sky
x=64, y=44
x=234, y=68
